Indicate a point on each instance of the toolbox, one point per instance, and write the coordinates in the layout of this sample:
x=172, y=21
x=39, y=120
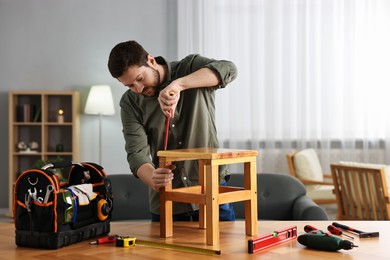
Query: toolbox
x=52, y=214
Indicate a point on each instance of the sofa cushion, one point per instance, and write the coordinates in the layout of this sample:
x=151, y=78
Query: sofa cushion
x=307, y=165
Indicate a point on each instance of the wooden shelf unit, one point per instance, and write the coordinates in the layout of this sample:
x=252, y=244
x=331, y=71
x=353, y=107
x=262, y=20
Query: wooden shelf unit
x=33, y=117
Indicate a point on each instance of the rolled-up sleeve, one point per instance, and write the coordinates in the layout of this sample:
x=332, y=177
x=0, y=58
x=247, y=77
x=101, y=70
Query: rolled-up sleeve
x=226, y=70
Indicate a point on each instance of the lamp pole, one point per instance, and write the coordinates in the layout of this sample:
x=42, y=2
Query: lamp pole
x=100, y=138
x=100, y=102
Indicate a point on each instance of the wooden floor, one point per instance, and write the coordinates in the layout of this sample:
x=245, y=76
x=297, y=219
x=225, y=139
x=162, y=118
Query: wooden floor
x=4, y=218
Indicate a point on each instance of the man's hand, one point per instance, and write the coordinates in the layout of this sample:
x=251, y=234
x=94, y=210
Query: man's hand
x=168, y=99
x=169, y=96
x=161, y=177
x=155, y=178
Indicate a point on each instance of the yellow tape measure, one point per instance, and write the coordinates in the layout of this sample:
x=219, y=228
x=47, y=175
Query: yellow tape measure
x=132, y=241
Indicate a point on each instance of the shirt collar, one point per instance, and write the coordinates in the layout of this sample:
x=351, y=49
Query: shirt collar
x=162, y=61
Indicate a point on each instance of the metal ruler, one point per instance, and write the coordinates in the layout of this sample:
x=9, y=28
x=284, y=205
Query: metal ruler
x=273, y=239
x=128, y=241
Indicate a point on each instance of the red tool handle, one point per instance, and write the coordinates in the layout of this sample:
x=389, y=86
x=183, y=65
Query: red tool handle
x=167, y=120
x=309, y=228
x=105, y=240
x=334, y=230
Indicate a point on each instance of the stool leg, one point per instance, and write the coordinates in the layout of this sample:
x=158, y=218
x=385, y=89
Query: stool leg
x=166, y=212
x=250, y=183
x=202, y=207
x=166, y=225
x=212, y=204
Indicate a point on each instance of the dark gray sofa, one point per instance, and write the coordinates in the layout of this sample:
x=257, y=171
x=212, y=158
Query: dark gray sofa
x=130, y=198
x=280, y=197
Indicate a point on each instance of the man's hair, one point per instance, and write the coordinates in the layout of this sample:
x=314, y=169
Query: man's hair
x=125, y=55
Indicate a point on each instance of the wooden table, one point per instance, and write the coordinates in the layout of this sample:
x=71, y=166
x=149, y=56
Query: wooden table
x=233, y=243
x=208, y=194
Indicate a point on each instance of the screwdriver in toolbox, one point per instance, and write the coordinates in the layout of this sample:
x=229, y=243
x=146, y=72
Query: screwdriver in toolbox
x=336, y=231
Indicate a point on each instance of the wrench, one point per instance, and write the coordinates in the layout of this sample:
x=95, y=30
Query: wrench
x=33, y=195
x=49, y=190
x=27, y=202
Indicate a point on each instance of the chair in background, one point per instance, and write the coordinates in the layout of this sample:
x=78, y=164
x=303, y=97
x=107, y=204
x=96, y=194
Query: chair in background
x=306, y=166
x=279, y=197
x=361, y=191
x=130, y=198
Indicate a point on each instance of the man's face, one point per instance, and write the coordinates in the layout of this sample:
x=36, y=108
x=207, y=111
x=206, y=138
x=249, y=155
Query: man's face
x=143, y=80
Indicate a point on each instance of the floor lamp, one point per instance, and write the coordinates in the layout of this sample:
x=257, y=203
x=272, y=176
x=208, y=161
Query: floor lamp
x=100, y=102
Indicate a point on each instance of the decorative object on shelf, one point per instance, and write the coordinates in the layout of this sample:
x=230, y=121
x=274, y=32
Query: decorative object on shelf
x=60, y=116
x=100, y=102
x=31, y=147
x=22, y=146
x=59, y=148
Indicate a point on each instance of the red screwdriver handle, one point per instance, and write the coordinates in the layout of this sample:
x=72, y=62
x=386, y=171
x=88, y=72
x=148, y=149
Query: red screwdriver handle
x=309, y=228
x=334, y=230
x=104, y=240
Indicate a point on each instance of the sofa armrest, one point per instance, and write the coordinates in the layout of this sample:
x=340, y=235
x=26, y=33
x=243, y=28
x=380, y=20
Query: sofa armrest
x=305, y=209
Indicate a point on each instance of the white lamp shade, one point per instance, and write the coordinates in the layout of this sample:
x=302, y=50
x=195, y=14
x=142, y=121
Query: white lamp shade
x=100, y=101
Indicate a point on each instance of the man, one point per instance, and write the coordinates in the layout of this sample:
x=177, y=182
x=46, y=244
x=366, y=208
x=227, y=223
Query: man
x=182, y=90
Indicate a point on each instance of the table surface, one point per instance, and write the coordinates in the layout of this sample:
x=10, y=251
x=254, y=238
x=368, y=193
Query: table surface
x=206, y=153
x=233, y=244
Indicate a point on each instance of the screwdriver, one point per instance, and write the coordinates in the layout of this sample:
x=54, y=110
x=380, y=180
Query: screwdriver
x=309, y=228
x=167, y=122
x=335, y=231
x=104, y=240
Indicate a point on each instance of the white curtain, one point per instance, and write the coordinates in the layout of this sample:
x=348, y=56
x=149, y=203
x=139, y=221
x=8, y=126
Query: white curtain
x=312, y=73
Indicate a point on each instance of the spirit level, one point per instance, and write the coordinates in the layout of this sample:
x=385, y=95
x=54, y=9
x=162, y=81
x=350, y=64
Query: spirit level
x=273, y=239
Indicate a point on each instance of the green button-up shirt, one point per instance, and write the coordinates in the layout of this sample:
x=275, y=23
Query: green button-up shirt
x=193, y=125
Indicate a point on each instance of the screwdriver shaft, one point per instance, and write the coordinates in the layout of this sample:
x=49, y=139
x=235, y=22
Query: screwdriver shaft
x=351, y=237
x=336, y=231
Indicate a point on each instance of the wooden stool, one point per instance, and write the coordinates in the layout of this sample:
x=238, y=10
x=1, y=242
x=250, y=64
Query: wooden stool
x=208, y=194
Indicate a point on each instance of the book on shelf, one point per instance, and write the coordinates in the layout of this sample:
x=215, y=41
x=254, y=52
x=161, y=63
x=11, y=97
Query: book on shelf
x=37, y=115
x=28, y=113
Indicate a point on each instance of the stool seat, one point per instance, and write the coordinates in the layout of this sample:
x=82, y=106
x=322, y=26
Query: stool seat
x=208, y=194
